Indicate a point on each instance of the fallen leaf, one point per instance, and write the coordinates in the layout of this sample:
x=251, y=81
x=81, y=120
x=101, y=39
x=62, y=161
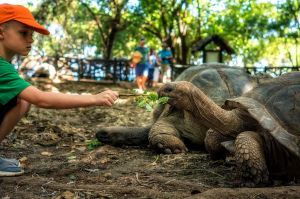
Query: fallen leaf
x=45, y=153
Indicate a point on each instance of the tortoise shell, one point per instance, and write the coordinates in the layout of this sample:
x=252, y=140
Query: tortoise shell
x=219, y=81
x=275, y=104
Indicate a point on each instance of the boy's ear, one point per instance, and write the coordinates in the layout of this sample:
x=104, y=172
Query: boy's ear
x=1, y=32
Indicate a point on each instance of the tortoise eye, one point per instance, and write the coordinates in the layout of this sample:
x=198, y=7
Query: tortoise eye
x=168, y=89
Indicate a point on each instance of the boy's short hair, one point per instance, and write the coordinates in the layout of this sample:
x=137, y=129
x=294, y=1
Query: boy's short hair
x=21, y=14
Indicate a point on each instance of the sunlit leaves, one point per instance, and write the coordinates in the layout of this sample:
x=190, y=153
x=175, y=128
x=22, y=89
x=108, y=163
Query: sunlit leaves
x=114, y=27
x=149, y=100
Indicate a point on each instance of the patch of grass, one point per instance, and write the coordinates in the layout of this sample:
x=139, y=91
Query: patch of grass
x=93, y=144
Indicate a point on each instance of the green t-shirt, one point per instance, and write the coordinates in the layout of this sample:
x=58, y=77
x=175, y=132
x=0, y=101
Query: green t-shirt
x=11, y=84
x=144, y=51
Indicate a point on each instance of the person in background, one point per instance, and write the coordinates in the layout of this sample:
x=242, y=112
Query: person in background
x=141, y=69
x=17, y=26
x=154, y=69
x=165, y=56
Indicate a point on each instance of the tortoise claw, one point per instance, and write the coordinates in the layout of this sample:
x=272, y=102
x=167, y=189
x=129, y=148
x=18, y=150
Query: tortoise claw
x=168, y=151
x=177, y=151
x=168, y=144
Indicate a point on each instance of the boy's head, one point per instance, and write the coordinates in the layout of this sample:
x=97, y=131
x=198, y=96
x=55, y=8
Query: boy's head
x=16, y=29
x=21, y=14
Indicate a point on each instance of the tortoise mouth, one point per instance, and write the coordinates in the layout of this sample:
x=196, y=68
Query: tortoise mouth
x=172, y=101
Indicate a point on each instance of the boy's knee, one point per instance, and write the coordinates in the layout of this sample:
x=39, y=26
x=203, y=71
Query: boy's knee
x=24, y=106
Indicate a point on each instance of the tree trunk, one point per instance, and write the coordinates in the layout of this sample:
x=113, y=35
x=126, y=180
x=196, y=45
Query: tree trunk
x=109, y=45
x=184, y=51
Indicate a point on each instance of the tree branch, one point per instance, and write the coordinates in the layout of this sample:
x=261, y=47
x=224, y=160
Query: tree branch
x=99, y=26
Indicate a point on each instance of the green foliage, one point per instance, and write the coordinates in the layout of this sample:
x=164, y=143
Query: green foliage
x=287, y=26
x=114, y=27
x=149, y=100
x=93, y=144
x=245, y=24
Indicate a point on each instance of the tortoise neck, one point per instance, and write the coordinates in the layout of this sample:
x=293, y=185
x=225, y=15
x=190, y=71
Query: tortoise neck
x=213, y=116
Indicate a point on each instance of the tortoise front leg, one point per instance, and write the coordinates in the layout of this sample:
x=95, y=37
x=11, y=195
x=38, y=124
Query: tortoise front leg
x=250, y=159
x=166, y=138
x=213, y=144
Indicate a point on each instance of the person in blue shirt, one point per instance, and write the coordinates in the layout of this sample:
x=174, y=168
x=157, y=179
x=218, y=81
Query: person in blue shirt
x=142, y=66
x=165, y=56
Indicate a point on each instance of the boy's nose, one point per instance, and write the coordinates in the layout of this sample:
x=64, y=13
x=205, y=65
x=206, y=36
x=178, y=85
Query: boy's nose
x=30, y=39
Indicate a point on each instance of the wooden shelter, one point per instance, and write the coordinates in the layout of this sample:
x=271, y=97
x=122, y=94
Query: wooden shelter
x=213, y=49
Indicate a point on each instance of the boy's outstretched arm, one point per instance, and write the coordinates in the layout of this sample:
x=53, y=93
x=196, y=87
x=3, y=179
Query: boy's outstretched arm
x=53, y=100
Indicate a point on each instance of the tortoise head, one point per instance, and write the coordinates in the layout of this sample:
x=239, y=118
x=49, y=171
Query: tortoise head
x=179, y=94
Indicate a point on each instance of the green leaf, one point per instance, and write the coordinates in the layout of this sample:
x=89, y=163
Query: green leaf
x=149, y=100
x=163, y=100
x=149, y=107
x=153, y=96
x=142, y=104
x=91, y=145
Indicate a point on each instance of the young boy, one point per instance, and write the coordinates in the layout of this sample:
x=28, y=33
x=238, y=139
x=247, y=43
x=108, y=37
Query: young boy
x=17, y=26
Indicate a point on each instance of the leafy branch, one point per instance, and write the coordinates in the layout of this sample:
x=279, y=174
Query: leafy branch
x=149, y=100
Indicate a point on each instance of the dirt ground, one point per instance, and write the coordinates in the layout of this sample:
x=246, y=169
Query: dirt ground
x=52, y=145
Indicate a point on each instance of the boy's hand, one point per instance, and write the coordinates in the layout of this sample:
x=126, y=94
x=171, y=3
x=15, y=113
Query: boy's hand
x=106, y=98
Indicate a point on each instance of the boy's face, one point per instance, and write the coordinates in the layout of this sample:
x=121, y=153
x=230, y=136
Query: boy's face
x=16, y=38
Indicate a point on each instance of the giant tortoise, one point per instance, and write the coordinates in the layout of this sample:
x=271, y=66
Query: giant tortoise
x=171, y=127
x=263, y=124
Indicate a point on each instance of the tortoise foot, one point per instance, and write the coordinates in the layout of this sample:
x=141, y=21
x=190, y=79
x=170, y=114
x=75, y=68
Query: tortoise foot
x=167, y=144
x=213, y=144
x=250, y=159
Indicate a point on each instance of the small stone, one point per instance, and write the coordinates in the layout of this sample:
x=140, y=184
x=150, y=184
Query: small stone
x=68, y=195
x=46, y=153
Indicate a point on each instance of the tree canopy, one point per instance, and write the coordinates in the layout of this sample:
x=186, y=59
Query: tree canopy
x=257, y=30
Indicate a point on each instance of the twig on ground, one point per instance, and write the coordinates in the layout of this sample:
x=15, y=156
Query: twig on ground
x=130, y=95
x=156, y=159
x=139, y=182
